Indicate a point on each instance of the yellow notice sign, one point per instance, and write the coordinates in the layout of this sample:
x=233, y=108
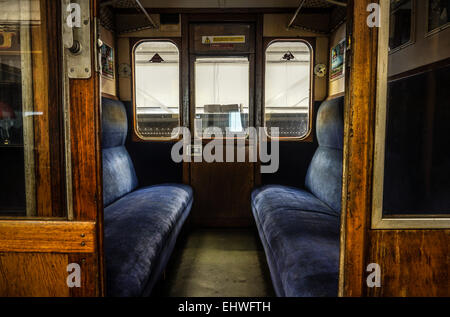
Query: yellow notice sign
x=223, y=39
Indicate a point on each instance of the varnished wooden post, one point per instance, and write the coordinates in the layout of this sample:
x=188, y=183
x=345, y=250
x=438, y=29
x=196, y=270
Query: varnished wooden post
x=358, y=147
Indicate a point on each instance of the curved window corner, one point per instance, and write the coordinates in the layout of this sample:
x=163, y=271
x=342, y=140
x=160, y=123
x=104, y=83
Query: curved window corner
x=288, y=89
x=156, y=89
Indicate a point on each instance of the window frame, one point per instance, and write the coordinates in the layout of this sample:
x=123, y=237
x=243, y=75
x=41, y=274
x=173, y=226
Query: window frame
x=137, y=136
x=311, y=44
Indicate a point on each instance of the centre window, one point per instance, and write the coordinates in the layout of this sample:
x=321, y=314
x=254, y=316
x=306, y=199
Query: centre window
x=157, y=89
x=221, y=96
x=288, y=88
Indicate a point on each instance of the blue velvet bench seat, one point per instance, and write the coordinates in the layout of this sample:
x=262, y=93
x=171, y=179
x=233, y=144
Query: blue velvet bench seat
x=141, y=225
x=299, y=228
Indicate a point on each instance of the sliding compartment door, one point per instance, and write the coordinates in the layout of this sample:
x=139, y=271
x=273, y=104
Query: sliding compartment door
x=396, y=237
x=50, y=184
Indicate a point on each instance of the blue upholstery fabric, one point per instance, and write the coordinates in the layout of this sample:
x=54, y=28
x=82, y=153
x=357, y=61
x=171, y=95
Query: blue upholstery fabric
x=114, y=123
x=300, y=229
x=140, y=226
x=119, y=176
x=275, y=198
x=302, y=250
x=330, y=124
x=137, y=229
x=324, y=176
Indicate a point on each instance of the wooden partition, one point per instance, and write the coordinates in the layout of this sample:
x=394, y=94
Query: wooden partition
x=412, y=262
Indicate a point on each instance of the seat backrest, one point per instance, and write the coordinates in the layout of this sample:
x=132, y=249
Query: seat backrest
x=119, y=176
x=324, y=177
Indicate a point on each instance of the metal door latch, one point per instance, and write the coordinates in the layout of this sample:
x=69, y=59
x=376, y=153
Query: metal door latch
x=76, y=31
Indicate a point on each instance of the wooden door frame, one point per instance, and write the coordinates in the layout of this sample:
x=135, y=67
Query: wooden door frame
x=358, y=147
x=87, y=169
x=423, y=271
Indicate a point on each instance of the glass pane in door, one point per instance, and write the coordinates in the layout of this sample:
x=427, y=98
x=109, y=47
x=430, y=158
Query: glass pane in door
x=30, y=113
x=222, y=90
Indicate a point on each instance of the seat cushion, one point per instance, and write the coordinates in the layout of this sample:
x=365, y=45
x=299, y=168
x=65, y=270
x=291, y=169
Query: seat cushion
x=324, y=176
x=137, y=227
x=114, y=123
x=301, y=244
x=276, y=198
x=119, y=176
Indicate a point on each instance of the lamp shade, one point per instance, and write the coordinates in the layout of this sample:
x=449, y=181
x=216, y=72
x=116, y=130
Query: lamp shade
x=6, y=111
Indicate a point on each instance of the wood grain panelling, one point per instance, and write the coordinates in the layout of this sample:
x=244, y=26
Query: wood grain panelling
x=222, y=194
x=90, y=275
x=48, y=147
x=41, y=122
x=413, y=263
x=47, y=236
x=358, y=147
x=85, y=128
x=85, y=148
x=38, y=275
x=34, y=254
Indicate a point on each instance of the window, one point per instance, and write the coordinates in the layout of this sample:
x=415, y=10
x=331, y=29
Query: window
x=438, y=14
x=157, y=89
x=412, y=137
x=401, y=26
x=31, y=116
x=221, y=95
x=288, y=88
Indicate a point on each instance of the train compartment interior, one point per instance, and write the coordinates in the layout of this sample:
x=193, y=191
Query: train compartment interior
x=225, y=148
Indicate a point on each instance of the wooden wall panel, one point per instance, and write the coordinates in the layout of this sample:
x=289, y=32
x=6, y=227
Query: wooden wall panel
x=222, y=194
x=90, y=275
x=34, y=275
x=85, y=149
x=413, y=263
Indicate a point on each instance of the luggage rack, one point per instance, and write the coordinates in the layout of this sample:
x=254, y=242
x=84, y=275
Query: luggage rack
x=139, y=24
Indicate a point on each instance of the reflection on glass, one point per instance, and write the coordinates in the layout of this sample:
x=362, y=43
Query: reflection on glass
x=417, y=144
x=17, y=18
x=157, y=88
x=30, y=125
x=438, y=13
x=221, y=95
x=288, y=88
x=400, y=26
